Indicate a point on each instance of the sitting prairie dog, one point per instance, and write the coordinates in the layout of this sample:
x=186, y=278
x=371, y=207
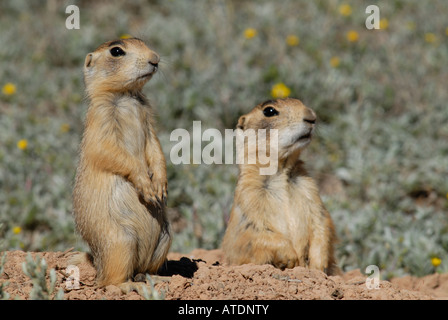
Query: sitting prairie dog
x=121, y=185
x=280, y=219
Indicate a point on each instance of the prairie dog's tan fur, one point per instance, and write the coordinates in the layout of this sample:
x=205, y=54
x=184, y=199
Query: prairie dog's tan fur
x=121, y=184
x=280, y=219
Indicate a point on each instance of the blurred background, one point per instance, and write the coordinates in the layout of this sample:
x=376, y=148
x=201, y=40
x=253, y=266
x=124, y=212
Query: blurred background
x=381, y=150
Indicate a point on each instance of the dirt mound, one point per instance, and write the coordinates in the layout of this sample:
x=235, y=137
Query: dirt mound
x=203, y=275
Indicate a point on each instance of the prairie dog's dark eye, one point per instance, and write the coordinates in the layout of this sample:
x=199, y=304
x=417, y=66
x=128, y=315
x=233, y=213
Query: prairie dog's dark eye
x=270, y=112
x=117, y=52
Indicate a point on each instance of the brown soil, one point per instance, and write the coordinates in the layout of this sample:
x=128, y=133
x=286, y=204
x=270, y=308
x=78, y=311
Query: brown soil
x=202, y=275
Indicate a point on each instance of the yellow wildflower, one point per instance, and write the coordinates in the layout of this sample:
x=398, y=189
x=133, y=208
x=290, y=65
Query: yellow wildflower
x=335, y=62
x=436, y=262
x=22, y=144
x=352, y=36
x=65, y=127
x=384, y=24
x=345, y=10
x=125, y=36
x=280, y=90
x=430, y=37
x=292, y=40
x=334, y=157
x=9, y=89
x=249, y=33
x=16, y=230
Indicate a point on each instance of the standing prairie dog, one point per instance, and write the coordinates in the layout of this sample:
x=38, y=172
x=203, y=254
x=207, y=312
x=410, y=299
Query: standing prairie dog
x=121, y=185
x=280, y=219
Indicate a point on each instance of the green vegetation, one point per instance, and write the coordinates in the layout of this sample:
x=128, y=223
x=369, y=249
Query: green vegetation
x=381, y=97
x=36, y=270
x=3, y=294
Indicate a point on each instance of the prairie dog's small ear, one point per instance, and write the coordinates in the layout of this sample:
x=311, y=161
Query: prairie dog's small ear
x=241, y=122
x=89, y=60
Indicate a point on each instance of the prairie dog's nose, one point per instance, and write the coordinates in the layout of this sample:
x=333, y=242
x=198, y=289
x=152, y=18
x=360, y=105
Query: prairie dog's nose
x=310, y=116
x=154, y=59
x=154, y=64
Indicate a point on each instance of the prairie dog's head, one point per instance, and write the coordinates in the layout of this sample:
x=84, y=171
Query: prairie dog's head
x=120, y=65
x=294, y=121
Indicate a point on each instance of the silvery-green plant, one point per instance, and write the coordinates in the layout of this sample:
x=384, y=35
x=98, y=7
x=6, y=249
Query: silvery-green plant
x=153, y=293
x=3, y=294
x=36, y=270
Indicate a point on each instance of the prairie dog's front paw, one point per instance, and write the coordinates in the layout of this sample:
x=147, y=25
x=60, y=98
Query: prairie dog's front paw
x=285, y=259
x=142, y=184
x=159, y=186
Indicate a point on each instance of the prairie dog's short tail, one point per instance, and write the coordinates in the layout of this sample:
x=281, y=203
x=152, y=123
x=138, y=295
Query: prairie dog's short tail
x=80, y=257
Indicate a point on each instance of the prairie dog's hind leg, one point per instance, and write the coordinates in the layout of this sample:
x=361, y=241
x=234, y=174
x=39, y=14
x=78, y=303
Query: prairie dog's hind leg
x=115, y=264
